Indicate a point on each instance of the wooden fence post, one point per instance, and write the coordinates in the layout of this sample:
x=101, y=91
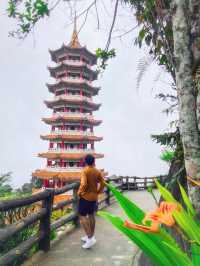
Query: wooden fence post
x=45, y=222
x=145, y=183
x=75, y=206
x=107, y=194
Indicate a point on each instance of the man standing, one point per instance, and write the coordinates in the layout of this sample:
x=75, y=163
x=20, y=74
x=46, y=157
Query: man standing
x=92, y=183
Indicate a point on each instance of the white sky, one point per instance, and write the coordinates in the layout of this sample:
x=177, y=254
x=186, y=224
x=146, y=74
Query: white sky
x=129, y=115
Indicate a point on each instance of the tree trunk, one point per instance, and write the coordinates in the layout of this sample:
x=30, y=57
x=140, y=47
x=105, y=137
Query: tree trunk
x=186, y=95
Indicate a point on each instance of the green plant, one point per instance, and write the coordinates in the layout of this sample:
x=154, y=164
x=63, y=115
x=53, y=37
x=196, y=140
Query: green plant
x=167, y=156
x=148, y=233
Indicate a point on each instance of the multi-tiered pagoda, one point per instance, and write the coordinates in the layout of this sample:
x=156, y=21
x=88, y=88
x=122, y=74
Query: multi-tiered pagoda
x=72, y=122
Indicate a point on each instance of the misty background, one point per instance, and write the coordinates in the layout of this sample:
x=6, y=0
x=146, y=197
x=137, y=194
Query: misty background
x=129, y=115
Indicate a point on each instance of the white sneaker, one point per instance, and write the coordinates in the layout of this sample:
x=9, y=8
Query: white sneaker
x=84, y=238
x=89, y=243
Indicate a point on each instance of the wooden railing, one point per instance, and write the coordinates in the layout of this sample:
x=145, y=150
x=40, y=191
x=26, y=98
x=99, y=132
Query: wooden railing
x=43, y=214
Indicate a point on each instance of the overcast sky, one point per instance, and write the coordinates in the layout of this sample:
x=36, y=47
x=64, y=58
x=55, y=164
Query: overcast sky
x=129, y=115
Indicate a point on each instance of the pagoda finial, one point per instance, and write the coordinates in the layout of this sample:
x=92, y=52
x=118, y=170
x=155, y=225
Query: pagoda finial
x=74, y=39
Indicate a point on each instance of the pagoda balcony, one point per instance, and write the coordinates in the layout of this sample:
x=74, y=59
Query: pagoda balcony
x=59, y=150
x=63, y=169
x=75, y=80
x=73, y=114
x=72, y=132
x=73, y=97
x=75, y=63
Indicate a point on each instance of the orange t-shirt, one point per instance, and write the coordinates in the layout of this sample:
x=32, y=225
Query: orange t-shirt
x=92, y=183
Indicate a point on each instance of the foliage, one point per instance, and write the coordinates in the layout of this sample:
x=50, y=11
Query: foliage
x=160, y=246
x=27, y=13
x=103, y=56
x=59, y=213
x=172, y=141
x=154, y=19
x=17, y=239
x=167, y=156
x=5, y=188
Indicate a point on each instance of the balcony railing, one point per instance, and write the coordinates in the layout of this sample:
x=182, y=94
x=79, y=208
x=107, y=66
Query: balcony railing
x=73, y=97
x=73, y=114
x=63, y=169
x=71, y=150
x=75, y=63
x=75, y=80
x=72, y=132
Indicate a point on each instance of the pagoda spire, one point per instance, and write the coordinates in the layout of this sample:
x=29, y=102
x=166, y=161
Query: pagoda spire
x=74, y=43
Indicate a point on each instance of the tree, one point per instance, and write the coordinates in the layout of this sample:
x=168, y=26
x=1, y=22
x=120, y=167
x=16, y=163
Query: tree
x=4, y=184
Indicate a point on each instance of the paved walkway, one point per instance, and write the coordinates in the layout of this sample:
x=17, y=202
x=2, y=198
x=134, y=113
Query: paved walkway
x=112, y=248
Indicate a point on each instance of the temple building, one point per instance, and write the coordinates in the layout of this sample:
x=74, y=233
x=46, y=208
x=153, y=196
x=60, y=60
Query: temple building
x=72, y=122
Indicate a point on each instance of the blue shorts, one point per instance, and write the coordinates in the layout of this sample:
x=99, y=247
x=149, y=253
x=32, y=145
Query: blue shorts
x=87, y=207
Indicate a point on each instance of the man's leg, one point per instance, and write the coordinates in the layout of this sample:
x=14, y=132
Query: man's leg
x=92, y=223
x=86, y=225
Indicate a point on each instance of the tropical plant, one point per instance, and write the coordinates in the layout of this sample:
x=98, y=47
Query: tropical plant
x=149, y=234
x=167, y=156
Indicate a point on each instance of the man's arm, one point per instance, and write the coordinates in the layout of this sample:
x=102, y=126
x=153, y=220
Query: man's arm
x=83, y=184
x=101, y=183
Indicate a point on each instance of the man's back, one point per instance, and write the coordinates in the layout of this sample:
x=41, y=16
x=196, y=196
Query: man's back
x=90, y=178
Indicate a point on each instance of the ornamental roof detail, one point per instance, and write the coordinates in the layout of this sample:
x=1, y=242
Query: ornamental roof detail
x=70, y=138
x=68, y=156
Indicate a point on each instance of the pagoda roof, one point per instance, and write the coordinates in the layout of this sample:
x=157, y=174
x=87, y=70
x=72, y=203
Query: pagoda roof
x=63, y=83
x=67, y=49
x=72, y=156
x=66, y=176
x=70, y=137
x=66, y=67
x=63, y=118
x=62, y=99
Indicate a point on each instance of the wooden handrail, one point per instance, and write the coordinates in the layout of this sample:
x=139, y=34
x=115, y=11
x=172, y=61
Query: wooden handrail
x=43, y=215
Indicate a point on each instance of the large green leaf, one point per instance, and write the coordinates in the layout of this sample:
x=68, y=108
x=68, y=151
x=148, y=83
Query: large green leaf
x=188, y=225
x=195, y=250
x=187, y=201
x=158, y=252
x=165, y=193
x=134, y=213
x=183, y=258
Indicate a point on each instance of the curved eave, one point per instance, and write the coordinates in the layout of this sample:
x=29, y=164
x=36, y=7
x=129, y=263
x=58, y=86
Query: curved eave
x=72, y=156
x=52, y=120
x=43, y=174
x=66, y=176
x=71, y=138
x=67, y=49
x=61, y=101
x=60, y=84
x=66, y=67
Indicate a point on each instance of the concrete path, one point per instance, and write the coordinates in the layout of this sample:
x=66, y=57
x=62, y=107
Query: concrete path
x=112, y=248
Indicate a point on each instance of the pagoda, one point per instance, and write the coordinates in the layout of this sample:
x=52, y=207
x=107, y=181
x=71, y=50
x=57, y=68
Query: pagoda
x=71, y=136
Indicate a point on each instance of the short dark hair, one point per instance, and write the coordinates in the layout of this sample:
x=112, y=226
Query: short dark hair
x=89, y=159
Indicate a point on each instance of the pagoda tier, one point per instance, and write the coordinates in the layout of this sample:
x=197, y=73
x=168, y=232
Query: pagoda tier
x=64, y=85
x=59, y=174
x=88, y=138
x=71, y=71
x=73, y=101
x=65, y=154
x=72, y=118
x=65, y=52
